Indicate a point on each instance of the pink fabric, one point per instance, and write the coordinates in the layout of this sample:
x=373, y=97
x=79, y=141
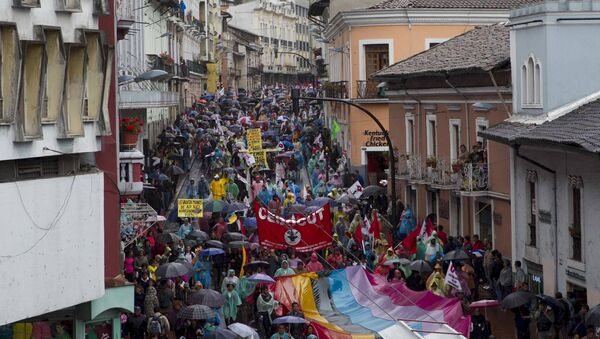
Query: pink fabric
x=401, y=295
x=128, y=265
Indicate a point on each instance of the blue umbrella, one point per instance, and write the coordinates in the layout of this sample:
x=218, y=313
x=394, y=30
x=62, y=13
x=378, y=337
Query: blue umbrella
x=289, y=320
x=211, y=251
x=250, y=222
x=208, y=97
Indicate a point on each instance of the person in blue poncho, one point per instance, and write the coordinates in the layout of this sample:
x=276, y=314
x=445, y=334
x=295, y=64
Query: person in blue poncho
x=407, y=223
x=203, y=269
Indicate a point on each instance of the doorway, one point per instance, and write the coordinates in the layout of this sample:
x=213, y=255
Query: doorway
x=377, y=163
x=483, y=216
x=455, y=216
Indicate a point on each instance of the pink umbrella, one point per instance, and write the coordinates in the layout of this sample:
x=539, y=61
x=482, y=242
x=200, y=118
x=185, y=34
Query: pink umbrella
x=244, y=120
x=261, y=278
x=485, y=303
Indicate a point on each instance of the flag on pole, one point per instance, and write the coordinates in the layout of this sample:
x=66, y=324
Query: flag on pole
x=335, y=129
x=452, y=278
x=319, y=141
x=375, y=226
x=423, y=232
x=358, y=236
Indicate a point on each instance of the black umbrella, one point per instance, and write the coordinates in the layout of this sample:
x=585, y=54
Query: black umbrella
x=420, y=266
x=196, y=312
x=456, y=255
x=517, y=299
x=297, y=208
x=556, y=305
x=214, y=244
x=347, y=200
x=198, y=235
x=237, y=207
x=167, y=238
x=254, y=265
x=238, y=244
x=221, y=333
x=592, y=318
x=321, y=201
x=208, y=297
x=172, y=270
x=233, y=236
x=372, y=191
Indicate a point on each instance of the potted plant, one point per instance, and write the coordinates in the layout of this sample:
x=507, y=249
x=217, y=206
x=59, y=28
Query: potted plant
x=130, y=129
x=167, y=58
x=456, y=167
x=431, y=162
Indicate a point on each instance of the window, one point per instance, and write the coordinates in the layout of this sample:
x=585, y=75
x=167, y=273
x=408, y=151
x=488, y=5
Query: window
x=430, y=43
x=31, y=100
x=454, y=139
x=576, y=223
x=431, y=136
x=410, y=141
x=75, y=90
x=377, y=57
x=531, y=193
x=95, y=76
x=481, y=125
x=55, y=75
x=531, y=83
x=69, y=5
x=10, y=57
x=26, y=3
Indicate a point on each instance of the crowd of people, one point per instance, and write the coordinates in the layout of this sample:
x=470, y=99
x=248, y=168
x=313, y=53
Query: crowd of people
x=302, y=167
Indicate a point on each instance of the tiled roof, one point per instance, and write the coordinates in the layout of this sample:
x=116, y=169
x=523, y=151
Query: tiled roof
x=481, y=49
x=471, y=4
x=579, y=128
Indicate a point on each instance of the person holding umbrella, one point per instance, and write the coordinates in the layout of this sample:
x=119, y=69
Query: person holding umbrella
x=544, y=317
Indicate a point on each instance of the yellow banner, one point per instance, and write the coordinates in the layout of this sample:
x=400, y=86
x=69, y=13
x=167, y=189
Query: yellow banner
x=261, y=158
x=254, y=136
x=190, y=208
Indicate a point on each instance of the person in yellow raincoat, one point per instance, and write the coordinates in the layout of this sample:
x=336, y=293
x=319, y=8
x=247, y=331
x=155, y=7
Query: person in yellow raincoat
x=436, y=282
x=289, y=200
x=217, y=187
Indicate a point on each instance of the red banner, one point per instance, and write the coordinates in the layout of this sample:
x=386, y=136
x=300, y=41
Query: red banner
x=305, y=234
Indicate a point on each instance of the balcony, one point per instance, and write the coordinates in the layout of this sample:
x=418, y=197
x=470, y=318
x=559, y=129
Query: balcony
x=59, y=237
x=147, y=99
x=337, y=89
x=474, y=177
x=196, y=68
x=367, y=89
x=130, y=177
x=156, y=62
x=440, y=172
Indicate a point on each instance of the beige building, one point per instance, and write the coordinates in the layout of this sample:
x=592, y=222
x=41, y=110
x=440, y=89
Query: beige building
x=242, y=58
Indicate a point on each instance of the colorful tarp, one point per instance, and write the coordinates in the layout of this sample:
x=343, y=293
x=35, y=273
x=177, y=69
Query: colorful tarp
x=352, y=303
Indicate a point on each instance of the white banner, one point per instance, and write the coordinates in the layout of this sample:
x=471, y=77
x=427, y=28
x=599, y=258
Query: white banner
x=356, y=190
x=452, y=278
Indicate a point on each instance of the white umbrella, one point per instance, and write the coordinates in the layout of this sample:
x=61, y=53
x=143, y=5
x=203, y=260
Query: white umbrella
x=243, y=331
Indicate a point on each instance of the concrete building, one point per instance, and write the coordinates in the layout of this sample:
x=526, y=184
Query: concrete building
x=59, y=132
x=553, y=135
x=363, y=41
x=243, y=59
x=275, y=22
x=439, y=100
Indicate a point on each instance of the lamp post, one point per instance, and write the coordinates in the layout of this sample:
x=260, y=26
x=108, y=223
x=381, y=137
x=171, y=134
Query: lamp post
x=296, y=97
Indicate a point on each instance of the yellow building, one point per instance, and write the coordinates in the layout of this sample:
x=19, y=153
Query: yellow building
x=363, y=41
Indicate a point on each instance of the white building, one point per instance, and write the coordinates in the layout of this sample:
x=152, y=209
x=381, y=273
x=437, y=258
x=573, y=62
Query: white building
x=555, y=138
x=55, y=78
x=276, y=24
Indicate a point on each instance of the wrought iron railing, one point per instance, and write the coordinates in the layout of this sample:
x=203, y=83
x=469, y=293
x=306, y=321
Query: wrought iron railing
x=441, y=171
x=338, y=89
x=474, y=177
x=156, y=62
x=367, y=89
x=196, y=67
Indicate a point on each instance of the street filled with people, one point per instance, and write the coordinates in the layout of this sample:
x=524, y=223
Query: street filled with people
x=287, y=241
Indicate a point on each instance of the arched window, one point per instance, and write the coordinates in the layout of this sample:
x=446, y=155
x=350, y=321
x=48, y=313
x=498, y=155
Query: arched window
x=531, y=83
x=537, y=84
x=530, y=80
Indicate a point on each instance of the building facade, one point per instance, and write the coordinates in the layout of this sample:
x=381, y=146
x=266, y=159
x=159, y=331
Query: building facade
x=243, y=59
x=276, y=23
x=363, y=41
x=439, y=100
x=553, y=136
x=59, y=118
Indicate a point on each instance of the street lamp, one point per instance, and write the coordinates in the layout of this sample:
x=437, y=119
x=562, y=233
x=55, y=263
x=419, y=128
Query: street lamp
x=296, y=98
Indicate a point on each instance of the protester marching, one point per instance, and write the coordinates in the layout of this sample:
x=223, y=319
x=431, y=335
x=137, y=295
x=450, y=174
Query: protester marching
x=269, y=234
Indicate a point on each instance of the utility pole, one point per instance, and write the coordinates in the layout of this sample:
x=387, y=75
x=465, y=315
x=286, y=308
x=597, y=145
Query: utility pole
x=295, y=100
